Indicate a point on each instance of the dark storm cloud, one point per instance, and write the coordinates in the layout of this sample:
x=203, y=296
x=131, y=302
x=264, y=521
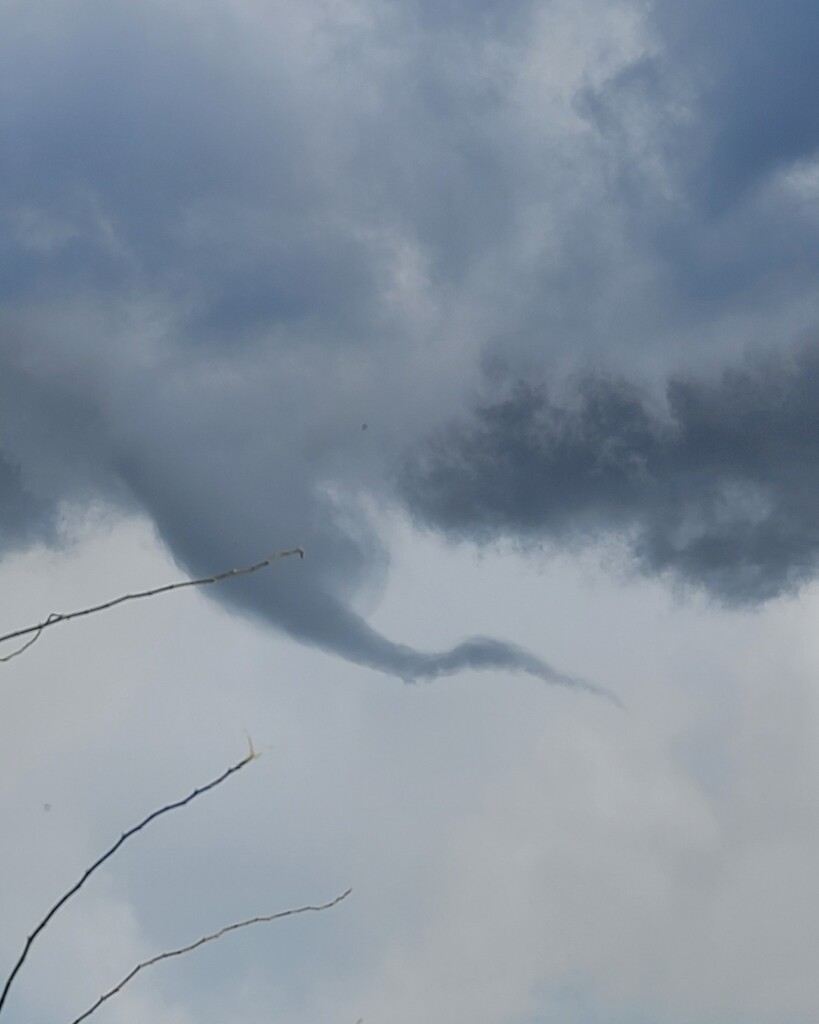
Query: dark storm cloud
x=231, y=234
x=719, y=487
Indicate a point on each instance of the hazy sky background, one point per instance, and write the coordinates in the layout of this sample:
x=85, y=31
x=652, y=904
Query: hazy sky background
x=506, y=314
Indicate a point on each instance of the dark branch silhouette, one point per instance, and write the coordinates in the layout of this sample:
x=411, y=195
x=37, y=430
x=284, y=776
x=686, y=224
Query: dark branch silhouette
x=201, y=942
x=35, y=632
x=167, y=808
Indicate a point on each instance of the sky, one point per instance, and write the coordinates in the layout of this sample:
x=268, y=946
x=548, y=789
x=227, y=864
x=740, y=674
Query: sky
x=505, y=313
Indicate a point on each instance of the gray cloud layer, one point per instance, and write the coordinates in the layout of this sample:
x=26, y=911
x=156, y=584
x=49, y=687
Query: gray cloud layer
x=231, y=235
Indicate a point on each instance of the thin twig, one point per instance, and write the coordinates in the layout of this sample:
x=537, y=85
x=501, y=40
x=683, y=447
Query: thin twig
x=56, y=617
x=250, y=756
x=201, y=942
x=31, y=640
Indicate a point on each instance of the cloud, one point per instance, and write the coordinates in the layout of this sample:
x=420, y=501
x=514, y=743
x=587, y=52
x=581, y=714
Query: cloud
x=698, y=137
x=234, y=233
x=232, y=236
x=749, y=69
x=715, y=488
x=231, y=233
x=22, y=517
x=627, y=888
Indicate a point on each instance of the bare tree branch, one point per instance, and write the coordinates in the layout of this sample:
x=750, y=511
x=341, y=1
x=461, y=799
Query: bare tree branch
x=56, y=617
x=201, y=942
x=167, y=808
x=32, y=640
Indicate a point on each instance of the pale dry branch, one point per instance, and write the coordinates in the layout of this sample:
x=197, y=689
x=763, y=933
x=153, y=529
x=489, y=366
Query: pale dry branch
x=36, y=631
x=167, y=808
x=265, y=919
